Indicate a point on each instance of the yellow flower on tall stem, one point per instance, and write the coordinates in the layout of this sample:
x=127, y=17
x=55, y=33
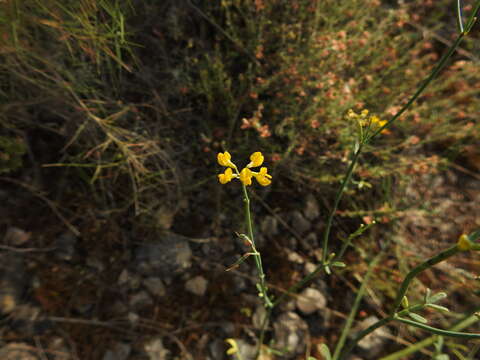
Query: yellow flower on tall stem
x=246, y=176
x=262, y=177
x=226, y=176
x=224, y=159
x=256, y=159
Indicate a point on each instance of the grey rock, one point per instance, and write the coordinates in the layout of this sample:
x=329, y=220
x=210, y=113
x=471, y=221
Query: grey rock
x=171, y=255
x=216, y=349
x=311, y=209
x=197, y=285
x=259, y=316
x=310, y=300
x=120, y=351
x=27, y=320
x=227, y=327
x=294, y=257
x=65, y=246
x=269, y=226
x=290, y=333
x=123, y=277
x=246, y=350
x=16, y=237
x=372, y=344
x=13, y=281
x=309, y=268
x=129, y=280
x=119, y=307
x=310, y=241
x=17, y=351
x=59, y=347
x=299, y=223
x=95, y=263
x=140, y=300
x=240, y=284
x=156, y=350
x=155, y=286
x=133, y=318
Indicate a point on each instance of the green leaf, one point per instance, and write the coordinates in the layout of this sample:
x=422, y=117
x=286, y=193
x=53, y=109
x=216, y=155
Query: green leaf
x=327, y=270
x=427, y=295
x=339, y=264
x=438, y=307
x=437, y=297
x=325, y=351
x=418, y=318
x=441, y=357
x=405, y=303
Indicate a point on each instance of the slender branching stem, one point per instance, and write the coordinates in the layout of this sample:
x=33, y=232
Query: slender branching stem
x=256, y=255
x=356, y=304
x=394, y=315
x=338, y=197
x=445, y=254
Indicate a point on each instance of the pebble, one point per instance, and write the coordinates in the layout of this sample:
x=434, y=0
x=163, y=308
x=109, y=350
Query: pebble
x=311, y=209
x=197, y=285
x=13, y=280
x=299, y=223
x=246, y=350
x=65, y=246
x=17, y=351
x=171, y=255
x=140, y=300
x=156, y=350
x=155, y=286
x=269, y=226
x=290, y=333
x=372, y=344
x=119, y=351
x=310, y=300
x=16, y=237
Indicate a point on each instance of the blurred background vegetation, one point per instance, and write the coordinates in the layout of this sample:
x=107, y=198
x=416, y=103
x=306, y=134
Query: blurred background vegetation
x=114, y=110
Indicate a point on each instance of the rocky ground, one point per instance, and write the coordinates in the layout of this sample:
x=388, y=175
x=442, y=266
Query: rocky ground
x=88, y=288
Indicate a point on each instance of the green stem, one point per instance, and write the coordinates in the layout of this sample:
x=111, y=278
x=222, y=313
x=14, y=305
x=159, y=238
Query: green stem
x=425, y=83
x=400, y=294
x=263, y=330
x=356, y=304
x=338, y=197
x=362, y=334
x=437, y=331
x=445, y=254
x=326, y=234
x=257, y=256
x=402, y=354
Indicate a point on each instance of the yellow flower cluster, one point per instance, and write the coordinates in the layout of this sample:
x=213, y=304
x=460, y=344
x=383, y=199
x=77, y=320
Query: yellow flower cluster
x=364, y=120
x=246, y=175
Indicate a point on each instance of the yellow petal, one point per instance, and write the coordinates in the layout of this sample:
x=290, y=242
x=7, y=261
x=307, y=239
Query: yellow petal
x=234, y=347
x=224, y=159
x=226, y=176
x=262, y=177
x=246, y=176
x=256, y=159
x=464, y=243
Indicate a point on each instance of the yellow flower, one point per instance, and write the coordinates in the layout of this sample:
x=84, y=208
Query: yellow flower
x=256, y=159
x=234, y=347
x=246, y=176
x=224, y=159
x=226, y=176
x=262, y=177
x=464, y=243
x=375, y=120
